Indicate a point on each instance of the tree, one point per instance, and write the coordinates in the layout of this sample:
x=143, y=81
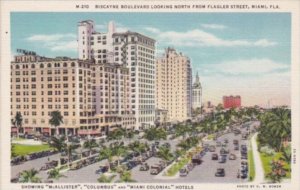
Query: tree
x=126, y=176
x=275, y=128
x=69, y=148
x=154, y=133
x=118, y=149
x=106, y=179
x=56, y=119
x=137, y=146
x=58, y=143
x=55, y=174
x=12, y=150
x=29, y=176
x=277, y=171
x=165, y=153
x=90, y=144
x=18, y=122
x=116, y=134
x=106, y=153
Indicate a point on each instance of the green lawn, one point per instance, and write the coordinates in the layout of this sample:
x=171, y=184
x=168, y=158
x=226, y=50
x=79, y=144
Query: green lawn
x=266, y=160
x=251, y=165
x=177, y=166
x=21, y=150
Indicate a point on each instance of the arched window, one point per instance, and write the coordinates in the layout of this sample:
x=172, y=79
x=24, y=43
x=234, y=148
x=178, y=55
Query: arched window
x=17, y=67
x=49, y=65
x=41, y=65
x=32, y=66
x=73, y=64
x=65, y=64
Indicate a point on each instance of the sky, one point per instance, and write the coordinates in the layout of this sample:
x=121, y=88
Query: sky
x=246, y=54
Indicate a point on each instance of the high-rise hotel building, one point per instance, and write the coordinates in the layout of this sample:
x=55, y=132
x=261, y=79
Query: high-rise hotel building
x=174, y=85
x=197, y=93
x=133, y=50
x=92, y=98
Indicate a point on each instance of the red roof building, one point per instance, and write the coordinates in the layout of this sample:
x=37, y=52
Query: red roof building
x=231, y=102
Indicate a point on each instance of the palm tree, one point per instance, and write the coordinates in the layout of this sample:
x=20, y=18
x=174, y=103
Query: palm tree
x=56, y=119
x=55, y=174
x=69, y=148
x=126, y=176
x=165, y=153
x=118, y=149
x=58, y=143
x=90, y=144
x=106, y=179
x=154, y=133
x=106, y=153
x=29, y=176
x=18, y=122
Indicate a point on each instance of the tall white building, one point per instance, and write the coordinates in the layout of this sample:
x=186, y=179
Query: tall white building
x=197, y=93
x=131, y=49
x=174, y=85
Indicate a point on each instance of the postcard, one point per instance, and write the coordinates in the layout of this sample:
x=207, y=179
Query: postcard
x=150, y=95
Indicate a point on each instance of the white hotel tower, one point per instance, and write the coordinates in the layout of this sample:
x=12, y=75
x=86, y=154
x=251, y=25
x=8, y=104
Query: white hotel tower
x=131, y=49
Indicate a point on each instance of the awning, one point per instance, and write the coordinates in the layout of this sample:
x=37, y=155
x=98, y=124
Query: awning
x=46, y=130
x=14, y=129
x=89, y=132
x=28, y=129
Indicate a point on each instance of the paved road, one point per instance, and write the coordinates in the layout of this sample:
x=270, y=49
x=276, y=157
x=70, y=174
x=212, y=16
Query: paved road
x=204, y=173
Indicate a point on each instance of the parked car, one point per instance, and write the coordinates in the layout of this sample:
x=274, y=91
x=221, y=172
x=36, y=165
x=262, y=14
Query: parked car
x=226, y=141
x=232, y=156
x=102, y=169
x=214, y=157
x=220, y=172
x=183, y=172
x=196, y=160
x=244, y=156
x=155, y=169
x=144, y=167
x=218, y=143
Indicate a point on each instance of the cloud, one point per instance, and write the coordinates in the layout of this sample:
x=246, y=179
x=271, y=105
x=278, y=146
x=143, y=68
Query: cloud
x=248, y=67
x=214, y=26
x=152, y=30
x=198, y=37
x=56, y=42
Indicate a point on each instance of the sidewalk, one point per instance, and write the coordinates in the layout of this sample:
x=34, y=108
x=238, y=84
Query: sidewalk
x=259, y=171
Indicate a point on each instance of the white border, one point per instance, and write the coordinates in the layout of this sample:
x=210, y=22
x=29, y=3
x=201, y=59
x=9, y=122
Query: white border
x=6, y=7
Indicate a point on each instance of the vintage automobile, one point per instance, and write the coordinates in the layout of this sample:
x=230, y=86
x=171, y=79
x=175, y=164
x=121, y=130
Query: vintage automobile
x=214, y=156
x=183, y=172
x=144, y=167
x=220, y=172
x=155, y=169
x=223, y=158
x=232, y=156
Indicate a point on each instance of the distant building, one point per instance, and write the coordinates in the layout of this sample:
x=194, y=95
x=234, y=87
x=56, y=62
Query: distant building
x=231, y=102
x=197, y=93
x=174, y=85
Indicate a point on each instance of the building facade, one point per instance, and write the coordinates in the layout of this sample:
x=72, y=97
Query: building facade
x=197, y=93
x=231, y=102
x=133, y=50
x=92, y=98
x=174, y=85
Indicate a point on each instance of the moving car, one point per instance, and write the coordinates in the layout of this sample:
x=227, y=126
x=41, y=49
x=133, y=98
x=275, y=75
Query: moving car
x=224, y=151
x=232, y=156
x=222, y=158
x=235, y=142
x=214, y=157
x=212, y=148
x=220, y=172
